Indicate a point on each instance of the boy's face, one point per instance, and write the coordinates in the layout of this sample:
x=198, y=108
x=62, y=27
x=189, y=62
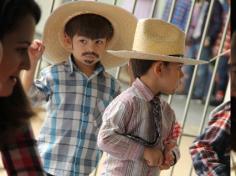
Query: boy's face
x=169, y=78
x=87, y=51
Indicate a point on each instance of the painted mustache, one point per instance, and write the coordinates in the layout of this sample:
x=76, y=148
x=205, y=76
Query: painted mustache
x=90, y=54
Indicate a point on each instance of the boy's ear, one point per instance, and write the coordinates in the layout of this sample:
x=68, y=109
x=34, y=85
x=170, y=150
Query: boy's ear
x=157, y=68
x=67, y=42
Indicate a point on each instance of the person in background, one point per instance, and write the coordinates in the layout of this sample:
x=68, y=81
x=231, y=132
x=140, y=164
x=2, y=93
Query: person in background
x=180, y=13
x=76, y=88
x=221, y=79
x=17, y=146
x=194, y=40
x=210, y=151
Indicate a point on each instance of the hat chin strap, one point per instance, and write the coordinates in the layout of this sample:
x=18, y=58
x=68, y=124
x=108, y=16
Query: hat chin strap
x=1, y=51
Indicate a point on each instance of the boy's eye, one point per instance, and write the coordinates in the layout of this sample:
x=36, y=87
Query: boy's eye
x=83, y=41
x=99, y=42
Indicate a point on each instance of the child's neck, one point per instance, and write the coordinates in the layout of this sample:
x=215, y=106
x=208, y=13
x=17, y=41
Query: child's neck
x=86, y=69
x=149, y=83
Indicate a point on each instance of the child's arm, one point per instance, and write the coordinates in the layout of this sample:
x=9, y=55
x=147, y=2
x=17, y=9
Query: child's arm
x=35, y=51
x=110, y=139
x=171, y=152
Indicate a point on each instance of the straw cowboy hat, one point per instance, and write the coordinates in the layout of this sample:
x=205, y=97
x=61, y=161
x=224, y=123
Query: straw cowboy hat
x=123, y=22
x=157, y=40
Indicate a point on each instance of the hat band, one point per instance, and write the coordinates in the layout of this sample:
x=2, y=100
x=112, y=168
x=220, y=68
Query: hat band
x=177, y=55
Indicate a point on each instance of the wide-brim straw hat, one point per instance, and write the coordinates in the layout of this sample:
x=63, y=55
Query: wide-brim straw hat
x=157, y=40
x=123, y=22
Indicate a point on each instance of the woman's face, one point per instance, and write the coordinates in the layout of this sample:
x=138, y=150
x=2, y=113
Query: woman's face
x=15, y=54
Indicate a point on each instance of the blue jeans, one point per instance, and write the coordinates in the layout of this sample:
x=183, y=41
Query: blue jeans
x=222, y=73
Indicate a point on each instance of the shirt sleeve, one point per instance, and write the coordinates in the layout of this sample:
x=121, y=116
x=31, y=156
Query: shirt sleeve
x=209, y=148
x=20, y=155
x=110, y=138
x=40, y=90
x=175, y=130
x=175, y=133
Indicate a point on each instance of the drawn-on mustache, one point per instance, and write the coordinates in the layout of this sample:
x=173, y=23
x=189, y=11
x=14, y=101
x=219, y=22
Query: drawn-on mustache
x=90, y=53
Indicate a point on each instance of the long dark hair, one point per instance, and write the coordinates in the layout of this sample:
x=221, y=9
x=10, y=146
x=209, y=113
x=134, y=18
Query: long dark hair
x=15, y=110
x=12, y=11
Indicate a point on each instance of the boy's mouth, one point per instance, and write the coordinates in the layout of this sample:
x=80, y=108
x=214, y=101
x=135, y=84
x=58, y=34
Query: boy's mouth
x=90, y=55
x=89, y=61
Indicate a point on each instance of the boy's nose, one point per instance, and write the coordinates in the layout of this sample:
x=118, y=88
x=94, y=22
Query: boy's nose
x=91, y=47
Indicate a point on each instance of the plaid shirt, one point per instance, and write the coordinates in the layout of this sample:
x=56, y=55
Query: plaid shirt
x=74, y=104
x=180, y=14
x=20, y=156
x=131, y=113
x=211, y=150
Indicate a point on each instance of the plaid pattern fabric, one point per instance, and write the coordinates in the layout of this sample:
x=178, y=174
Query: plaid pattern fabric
x=74, y=104
x=180, y=14
x=175, y=133
x=211, y=150
x=131, y=112
x=20, y=156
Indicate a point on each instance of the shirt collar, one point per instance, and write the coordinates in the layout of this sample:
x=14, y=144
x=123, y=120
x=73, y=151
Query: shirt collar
x=143, y=89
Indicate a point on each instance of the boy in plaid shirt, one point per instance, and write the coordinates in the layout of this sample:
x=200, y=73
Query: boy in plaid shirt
x=76, y=89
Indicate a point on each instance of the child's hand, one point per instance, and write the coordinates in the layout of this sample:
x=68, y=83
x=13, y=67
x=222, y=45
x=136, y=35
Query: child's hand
x=169, y=157
x=153, y=157
x=35, y=51
x=168, y=162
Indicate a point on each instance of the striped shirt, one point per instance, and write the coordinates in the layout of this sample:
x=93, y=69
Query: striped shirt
x=131, y=113
x=74, y=104
x=211, y=150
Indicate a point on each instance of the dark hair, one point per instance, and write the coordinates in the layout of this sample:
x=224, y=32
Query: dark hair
x=12, y=11
x=140, y=67
x=15, y=110
x=89, y=25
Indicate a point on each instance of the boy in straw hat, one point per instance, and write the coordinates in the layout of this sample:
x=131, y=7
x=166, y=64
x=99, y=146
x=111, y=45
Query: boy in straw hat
x=76, y=89
x=139, y=129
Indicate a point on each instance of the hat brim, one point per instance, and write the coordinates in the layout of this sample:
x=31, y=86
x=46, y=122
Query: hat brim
x=120, y=19
x=146, y=56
